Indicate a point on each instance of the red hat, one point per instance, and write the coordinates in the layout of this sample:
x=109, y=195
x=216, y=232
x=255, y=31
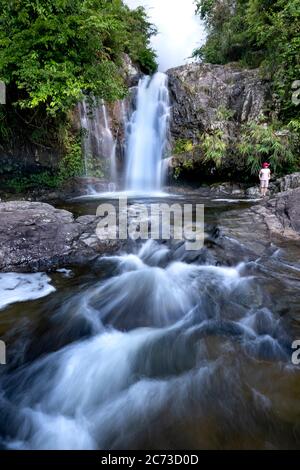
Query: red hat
x=266, y=165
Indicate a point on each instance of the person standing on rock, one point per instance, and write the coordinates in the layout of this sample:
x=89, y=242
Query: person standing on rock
x=264, y=176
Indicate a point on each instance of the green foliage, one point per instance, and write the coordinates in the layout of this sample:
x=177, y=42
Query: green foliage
x=5, y=132
x=45, y=179
x=146, y=58
x=138, y=47
x=256, y=33
x=94, y=166
x=214, y=147
x=261, y=142
x=182, y=146
x=177, y=172
x=211, y=149
x=224, y=114
x=227, y=36
x=186, y=164
x=72, y=163
x=51, y=51
x=294, y=127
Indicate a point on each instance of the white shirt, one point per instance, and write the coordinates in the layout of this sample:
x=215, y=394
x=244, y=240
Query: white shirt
x=264, y=174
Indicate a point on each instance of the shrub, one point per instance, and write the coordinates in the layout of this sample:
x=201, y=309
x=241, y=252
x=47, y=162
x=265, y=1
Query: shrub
x=261, y=142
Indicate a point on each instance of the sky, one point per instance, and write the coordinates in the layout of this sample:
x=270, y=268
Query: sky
x=180, y=31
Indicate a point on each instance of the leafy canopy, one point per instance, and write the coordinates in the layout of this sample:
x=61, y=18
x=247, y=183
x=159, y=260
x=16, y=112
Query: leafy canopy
x=256, y=33
x=261, y=142
x=53, y=50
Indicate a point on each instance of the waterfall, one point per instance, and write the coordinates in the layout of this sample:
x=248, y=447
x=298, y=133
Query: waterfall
x=86, y=128
x=147, y=134
x=109, y=145
x=98, y=142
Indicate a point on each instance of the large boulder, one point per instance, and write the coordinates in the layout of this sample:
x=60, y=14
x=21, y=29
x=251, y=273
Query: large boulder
x=37, y=237
x=204, y=96
x=287, y=182
x=282, y=214
x=280, y=185
x=273, y=220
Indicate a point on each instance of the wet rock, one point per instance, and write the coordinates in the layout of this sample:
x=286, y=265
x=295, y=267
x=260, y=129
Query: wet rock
x=218, y=250
x=287, y=182
x=80, y=186
x=282, y=214
x=227, y=188
x=129, y=71
x=200, y=92
x=253, y=192
x=37, y=237
x=275, y=220
x=280, y=185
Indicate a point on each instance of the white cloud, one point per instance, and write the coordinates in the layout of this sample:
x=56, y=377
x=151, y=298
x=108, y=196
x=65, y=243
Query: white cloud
x=180, y=31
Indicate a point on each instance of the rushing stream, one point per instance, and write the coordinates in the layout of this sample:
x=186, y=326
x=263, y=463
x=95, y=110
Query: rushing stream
x=154, y=348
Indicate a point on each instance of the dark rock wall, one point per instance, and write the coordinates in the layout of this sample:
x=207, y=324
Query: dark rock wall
x=200, y=93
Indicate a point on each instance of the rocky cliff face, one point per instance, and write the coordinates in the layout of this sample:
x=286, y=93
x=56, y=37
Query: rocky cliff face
x=21, y=156
x=206, y=96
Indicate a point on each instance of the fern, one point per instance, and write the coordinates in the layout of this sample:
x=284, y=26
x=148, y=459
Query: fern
x=214, y=147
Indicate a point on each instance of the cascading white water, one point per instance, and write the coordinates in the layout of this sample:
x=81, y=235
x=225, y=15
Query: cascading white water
x=98, y=141
x=109, y=144
x=18, y=287
x=171, y=345
x=147, y=134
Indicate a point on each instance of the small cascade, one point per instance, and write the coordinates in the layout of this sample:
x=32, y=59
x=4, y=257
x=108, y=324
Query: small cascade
x=99, y=145
x=109, y=144
x=86, y=138
x=144, y=142
x=147, y=133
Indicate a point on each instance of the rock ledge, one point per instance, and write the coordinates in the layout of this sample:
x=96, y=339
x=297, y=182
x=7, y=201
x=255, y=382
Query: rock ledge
x=35, y=236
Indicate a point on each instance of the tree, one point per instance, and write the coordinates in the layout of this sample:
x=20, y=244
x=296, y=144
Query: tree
x=263, y=33
x=51, y=51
